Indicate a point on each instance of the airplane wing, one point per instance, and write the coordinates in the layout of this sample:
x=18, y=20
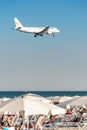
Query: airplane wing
x=43, y=31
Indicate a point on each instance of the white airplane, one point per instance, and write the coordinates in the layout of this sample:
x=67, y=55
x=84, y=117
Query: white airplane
x=37, y=31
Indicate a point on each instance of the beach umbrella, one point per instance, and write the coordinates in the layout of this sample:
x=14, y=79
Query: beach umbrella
x=55, y=109
x=64, y=98
x=4, y=99
x=59, y=99
x=64, y=104
x=54, y=98
x=79, y=101
x=37, y=97
x=28, y=106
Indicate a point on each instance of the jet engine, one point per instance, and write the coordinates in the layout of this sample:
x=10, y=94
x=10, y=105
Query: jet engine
x=49, y=32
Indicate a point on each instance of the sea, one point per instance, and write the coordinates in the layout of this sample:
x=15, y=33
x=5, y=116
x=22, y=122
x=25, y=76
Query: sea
x=12, y=94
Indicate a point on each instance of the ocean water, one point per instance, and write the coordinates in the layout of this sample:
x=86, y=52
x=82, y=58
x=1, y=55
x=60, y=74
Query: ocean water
x=11, y=94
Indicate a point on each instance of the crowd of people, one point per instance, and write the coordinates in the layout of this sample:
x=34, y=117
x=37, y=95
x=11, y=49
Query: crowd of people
x=10, y=121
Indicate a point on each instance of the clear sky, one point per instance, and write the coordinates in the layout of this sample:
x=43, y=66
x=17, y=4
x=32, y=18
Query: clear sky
x=44, y=63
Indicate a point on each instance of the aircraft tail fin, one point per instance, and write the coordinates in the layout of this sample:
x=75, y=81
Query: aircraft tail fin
x=17, y=23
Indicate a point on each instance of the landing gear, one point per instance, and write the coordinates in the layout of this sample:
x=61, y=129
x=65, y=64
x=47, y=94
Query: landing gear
x=35, y=35
x=53, y=35
x=38, y=35
x=41, y=35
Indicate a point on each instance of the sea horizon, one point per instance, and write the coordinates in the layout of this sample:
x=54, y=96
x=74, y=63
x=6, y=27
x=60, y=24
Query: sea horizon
x=11, y=94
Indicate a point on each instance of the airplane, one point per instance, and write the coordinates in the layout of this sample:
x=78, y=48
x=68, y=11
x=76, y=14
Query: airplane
x=37, y=31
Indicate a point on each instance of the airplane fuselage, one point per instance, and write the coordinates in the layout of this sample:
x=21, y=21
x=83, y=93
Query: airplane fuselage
x=51, y=30
x=36, y=30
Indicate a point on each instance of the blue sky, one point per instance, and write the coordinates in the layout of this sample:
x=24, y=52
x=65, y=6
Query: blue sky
x=44, y=63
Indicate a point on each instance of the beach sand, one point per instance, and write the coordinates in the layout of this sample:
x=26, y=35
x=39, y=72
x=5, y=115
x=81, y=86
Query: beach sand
x=61, y=127
x=66, y=128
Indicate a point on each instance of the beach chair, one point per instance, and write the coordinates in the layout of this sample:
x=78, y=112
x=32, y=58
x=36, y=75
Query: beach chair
x=54, y=125
x=83, y=121
x=40, y=122
x=81, y=124
x=68, y=120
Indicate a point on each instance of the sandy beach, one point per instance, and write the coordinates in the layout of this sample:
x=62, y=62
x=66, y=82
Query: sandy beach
x=67, y=128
